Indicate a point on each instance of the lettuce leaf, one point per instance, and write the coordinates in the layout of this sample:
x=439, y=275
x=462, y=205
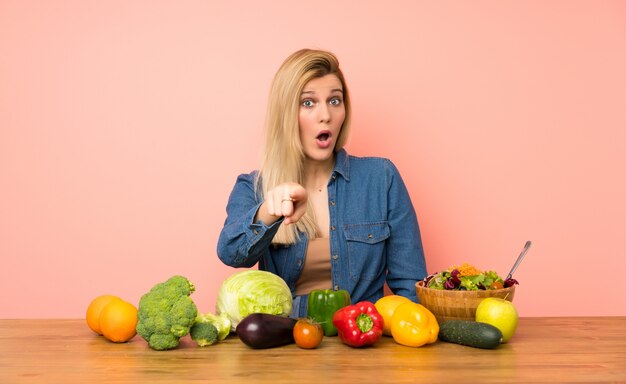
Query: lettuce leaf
x=451, y=281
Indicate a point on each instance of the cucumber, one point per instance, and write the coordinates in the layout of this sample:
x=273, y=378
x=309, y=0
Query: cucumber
x=470, y=333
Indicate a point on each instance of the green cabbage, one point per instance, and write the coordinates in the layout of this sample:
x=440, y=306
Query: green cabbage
x=253, y=291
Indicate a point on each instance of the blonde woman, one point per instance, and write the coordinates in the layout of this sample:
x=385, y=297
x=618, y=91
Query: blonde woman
x=314, y=215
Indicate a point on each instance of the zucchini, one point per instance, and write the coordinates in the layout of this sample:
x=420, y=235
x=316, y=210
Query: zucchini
x=470, y=333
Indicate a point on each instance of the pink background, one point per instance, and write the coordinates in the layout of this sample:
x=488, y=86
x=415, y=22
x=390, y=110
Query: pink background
x=123, y=125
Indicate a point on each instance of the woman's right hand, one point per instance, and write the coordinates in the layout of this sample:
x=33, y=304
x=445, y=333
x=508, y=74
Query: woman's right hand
x=286, y=200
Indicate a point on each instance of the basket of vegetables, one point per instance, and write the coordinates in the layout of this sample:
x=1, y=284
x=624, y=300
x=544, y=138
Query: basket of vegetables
x=455, y=293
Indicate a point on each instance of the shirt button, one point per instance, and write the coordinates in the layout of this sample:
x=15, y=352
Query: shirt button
x=332, y=203
x=334, y=177
x=335, y=257
x=299, y=263
x=256, y=232
x=336, y=287
x=370, y=236
x=332, y=227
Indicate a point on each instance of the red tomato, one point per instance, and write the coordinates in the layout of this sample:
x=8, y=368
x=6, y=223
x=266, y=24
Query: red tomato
x=307, y=333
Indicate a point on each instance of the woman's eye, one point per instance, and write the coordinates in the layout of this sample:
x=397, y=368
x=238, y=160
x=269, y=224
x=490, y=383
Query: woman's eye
x=335, y=101
x=307, y=103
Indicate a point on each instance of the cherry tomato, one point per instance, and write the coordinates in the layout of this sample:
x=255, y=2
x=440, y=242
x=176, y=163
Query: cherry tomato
x=307, y=333
x=496, y=285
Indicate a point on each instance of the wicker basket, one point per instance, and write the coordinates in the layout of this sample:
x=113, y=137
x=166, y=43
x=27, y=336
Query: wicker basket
x=457, y=305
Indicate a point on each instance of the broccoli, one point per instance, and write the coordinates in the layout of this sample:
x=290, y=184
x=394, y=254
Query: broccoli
x=202, y=329
x=221, y=323
x=203, y=333
x=166, y=313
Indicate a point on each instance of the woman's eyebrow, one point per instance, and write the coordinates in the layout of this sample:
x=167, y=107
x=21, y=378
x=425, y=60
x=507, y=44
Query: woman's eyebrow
x=332, y=91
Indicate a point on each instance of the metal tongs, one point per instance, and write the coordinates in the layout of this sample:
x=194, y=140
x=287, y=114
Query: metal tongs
x=519, y=259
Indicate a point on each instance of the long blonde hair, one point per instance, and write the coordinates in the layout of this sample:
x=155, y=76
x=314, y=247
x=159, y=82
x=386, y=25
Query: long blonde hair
x=284, y=157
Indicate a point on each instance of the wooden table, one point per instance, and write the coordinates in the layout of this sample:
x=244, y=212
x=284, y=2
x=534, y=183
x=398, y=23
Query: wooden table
x=585, y=349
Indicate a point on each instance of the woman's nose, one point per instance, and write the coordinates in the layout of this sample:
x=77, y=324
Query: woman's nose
x=324, y=113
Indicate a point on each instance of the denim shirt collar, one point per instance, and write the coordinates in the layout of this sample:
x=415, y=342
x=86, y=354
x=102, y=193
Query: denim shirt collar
x=342, y=164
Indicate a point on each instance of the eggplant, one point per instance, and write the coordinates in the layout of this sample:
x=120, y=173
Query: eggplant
x=262, y=330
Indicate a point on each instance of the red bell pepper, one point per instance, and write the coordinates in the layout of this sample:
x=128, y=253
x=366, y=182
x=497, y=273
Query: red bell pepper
x=359, y=325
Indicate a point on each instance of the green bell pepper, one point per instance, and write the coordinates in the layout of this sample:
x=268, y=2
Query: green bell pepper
x=322, y=305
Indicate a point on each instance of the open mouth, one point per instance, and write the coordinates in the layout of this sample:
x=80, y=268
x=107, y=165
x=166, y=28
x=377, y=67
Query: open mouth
x=323, y=136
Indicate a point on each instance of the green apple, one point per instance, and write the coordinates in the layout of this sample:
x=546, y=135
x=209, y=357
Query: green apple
x=500, y=313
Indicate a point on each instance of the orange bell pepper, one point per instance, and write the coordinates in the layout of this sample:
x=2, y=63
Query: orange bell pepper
x=414, y=325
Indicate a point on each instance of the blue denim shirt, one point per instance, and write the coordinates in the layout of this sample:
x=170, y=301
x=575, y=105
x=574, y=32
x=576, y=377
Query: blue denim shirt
x=374, y=233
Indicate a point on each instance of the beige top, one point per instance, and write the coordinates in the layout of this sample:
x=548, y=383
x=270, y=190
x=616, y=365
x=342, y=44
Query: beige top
x=316, y=271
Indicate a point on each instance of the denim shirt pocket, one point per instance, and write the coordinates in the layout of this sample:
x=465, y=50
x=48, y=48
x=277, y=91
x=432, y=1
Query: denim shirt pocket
x=365, y=247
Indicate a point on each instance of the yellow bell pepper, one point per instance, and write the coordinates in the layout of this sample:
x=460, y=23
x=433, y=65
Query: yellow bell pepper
x=414, y=325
